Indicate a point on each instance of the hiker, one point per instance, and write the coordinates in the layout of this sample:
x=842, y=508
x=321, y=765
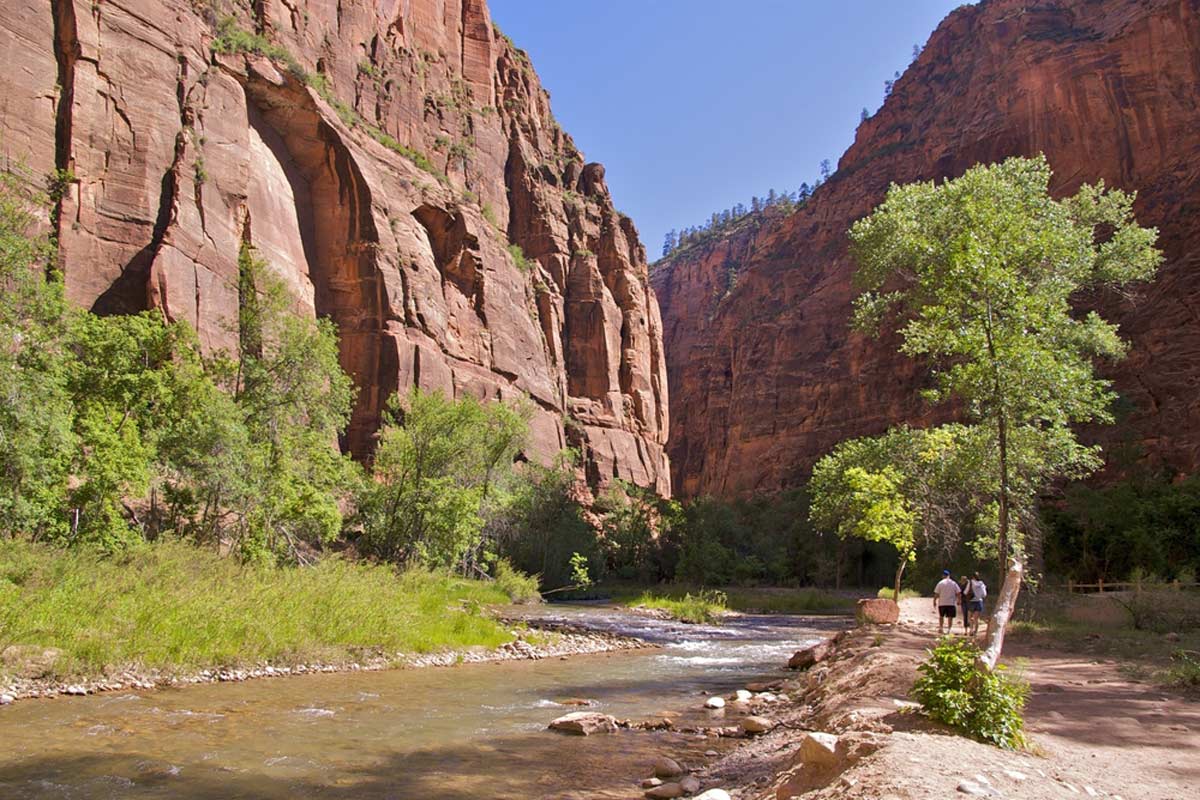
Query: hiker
x=964, y=587
x=978, y=593
x=945, y=600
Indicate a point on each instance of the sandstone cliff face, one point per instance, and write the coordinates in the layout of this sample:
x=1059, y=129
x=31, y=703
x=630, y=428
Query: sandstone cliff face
x=171, y=156
x=766, y=377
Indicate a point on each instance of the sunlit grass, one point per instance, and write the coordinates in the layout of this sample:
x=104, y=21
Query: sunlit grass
x=700, y=605
x=175, y=606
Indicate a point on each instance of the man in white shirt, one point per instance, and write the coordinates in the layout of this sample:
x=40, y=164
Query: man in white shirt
x=945, y=600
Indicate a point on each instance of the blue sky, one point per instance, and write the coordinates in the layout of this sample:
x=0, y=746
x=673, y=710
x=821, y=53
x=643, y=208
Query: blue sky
x=694, y=105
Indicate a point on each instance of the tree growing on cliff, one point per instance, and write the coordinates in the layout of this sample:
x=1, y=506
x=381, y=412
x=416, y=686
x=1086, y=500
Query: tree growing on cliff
x=977, y=275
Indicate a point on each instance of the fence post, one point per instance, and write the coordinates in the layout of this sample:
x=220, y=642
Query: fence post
x=1070, y=586
x=1101, y=585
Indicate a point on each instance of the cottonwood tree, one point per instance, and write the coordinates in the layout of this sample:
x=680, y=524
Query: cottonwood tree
x=978, y=275
x=909, y=487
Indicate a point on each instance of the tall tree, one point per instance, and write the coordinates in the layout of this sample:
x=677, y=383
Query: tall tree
x=671, y=242
x=826, y=169
x=977, y=275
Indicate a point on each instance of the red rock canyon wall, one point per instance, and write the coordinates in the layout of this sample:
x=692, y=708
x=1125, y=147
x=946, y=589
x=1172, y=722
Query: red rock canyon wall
x=765, y=376
x=179, y=155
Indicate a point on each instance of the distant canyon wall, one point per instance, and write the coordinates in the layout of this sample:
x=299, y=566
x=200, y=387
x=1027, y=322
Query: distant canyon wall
x=765, y=375
x=383, y=174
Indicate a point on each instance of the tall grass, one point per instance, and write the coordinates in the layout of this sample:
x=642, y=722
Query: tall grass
x=674, y=599
x=175, y=606
x=705, y=606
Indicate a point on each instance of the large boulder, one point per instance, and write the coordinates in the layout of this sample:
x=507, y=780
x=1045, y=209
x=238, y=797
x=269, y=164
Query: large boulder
x=665, y=792
x=584, y=723
x=803, y=659
x=667, y=768
x=819, y=749
x=753, y=725
x=877, y=611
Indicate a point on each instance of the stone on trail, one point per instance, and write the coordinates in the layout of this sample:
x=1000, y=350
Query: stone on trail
x=584, y=723
x=667, y=768
x=665, y=792
x=803, y=659
x=976, y=790
x=714, y=702
x=755, y=724
x=877, y=611
x=819, y=749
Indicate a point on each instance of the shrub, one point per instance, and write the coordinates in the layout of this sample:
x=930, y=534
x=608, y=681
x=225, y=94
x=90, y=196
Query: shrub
x=954, y=690
x=888, y=593
x=1184, y=672
x=519, y=259
x=519, y=587
x=707, y=605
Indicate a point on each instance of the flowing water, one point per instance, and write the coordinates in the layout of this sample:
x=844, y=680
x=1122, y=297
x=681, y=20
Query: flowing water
x=471, y=731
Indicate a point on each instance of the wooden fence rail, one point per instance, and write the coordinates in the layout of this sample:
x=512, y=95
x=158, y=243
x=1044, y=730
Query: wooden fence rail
x=1101, y=587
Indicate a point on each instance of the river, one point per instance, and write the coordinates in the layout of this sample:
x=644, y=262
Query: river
x=471, y=731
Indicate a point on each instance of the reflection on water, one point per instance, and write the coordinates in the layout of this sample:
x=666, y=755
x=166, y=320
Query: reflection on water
x=470, y=731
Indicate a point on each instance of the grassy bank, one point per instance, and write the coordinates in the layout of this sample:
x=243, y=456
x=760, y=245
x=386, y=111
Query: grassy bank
x=692, y=604
x=174, y=606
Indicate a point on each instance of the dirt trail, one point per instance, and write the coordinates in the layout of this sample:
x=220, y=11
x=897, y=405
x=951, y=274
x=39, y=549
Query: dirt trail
x=1094, y=732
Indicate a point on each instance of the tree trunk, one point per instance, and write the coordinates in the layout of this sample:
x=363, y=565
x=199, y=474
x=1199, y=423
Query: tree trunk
x=1002, y=536
x=1006, y=602
x=899, y=573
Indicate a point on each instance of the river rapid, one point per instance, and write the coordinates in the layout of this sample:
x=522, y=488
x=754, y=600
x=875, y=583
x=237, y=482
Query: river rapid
x=471, y=731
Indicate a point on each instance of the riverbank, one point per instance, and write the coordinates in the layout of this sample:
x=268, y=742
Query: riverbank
x=80, y=622
x=1093, y=731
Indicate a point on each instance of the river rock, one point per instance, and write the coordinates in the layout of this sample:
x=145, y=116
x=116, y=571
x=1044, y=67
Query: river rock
x=650, y=783
x=763, y=686
x=754, y=724
x=714, y=702
x=690, y=784
x=575, y=701
x=667, y=768
x=584, y=723
x=819, y=749
x=743, y=696
x=803, y=659
x=5, y=699
x=877, y=611
x=665, y=792
x=714, y=794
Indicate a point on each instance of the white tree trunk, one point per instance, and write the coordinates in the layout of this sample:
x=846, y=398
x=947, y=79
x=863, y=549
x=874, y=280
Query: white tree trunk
x=1006, y=602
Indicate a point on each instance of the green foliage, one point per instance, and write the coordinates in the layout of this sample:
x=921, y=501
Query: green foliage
x=986, y=267
x=1145, y=522
x=1184, y=672
x=438, y=463
x=489, y=216
x=36, y=436
x=631, y=517
x=888, y=593
x=519, y=259
x=519, y=587
x=579, y=571
x=232, y=39
x=542, y=530
x=172, y=605
x=984, y=703
x=707, y=605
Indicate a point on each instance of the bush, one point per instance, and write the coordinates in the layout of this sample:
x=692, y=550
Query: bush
x=1161, y=611
x=887, y=593
x=707, y=605
x=986, y=704
x=1184, y=672
x=519, y=587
